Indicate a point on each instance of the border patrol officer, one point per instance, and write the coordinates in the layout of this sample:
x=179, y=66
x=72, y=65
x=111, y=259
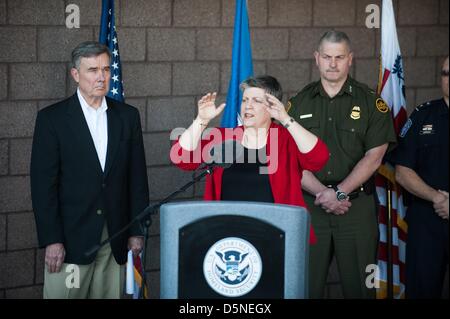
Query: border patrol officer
x=357, y=127
x=422, y=169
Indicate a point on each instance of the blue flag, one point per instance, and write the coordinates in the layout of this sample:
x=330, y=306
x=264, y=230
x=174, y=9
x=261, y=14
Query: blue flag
x=108, y=37
x=241, y=65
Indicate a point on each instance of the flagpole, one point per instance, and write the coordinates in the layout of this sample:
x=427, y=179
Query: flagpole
x=145, y=224
x=390, y=271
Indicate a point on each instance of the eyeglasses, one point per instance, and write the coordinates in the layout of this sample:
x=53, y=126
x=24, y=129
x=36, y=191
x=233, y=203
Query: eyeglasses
x=444, y=73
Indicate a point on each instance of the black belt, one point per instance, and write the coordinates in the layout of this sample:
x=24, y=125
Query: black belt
x=353, y=194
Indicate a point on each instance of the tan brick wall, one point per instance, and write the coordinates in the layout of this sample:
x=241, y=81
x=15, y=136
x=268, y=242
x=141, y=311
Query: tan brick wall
x=173, y=51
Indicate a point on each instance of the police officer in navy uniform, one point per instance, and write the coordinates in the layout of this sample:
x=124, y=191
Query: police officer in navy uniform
x=357, y=127
x=422, y=169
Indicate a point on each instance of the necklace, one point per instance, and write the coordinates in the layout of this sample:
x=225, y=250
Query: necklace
x=253, y=141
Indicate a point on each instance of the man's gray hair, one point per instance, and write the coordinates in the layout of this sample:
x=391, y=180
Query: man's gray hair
x=266, y=82
x=88, y=49
x=335, y=36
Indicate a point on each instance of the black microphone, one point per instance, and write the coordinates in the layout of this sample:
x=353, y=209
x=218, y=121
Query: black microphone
x=225, y=154
x=92, y=251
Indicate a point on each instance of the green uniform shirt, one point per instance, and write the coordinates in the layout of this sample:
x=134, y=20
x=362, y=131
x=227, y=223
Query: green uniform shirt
x=351, y=123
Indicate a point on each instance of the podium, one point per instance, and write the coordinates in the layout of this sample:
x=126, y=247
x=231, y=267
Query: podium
x=224, y=249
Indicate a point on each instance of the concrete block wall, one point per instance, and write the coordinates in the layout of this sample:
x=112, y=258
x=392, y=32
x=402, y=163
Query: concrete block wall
x=172, y=52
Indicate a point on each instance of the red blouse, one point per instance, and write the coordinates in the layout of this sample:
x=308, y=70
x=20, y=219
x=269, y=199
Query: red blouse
x=285, y=181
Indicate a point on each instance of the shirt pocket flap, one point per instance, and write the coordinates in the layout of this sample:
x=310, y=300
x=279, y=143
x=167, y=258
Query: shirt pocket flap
x=350, y=127
x=309, y=122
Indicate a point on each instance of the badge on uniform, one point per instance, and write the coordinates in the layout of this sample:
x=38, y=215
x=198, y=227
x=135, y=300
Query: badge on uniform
x=305, y=116
x=427, y=129
x=381, y=106
x=405, y=128
x=356, y=113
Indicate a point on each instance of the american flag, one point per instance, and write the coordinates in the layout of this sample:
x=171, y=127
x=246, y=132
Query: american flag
x=392, y=244
x=108, y=37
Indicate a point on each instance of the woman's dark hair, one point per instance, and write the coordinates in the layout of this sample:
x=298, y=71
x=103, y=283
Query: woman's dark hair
x=266, y=82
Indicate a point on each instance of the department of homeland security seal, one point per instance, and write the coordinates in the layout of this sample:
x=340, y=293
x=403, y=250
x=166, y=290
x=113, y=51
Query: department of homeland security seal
x=232, y=267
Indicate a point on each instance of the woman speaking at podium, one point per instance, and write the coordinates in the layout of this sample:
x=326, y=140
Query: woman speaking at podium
x=267, y=160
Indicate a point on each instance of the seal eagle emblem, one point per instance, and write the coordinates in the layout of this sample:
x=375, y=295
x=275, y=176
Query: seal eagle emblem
x=232, y=267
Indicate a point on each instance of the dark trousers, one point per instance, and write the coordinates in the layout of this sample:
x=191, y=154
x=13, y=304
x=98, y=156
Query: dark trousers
x=426, y=252
x=352, y=238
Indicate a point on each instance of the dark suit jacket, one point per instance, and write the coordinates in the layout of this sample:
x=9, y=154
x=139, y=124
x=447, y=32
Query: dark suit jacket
x=72, y=197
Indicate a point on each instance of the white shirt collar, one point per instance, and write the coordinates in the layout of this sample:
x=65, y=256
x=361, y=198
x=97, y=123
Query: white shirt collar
x=87, y=108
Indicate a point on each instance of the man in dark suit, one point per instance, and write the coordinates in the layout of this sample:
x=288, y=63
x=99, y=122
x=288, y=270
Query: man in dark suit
x=88, y=180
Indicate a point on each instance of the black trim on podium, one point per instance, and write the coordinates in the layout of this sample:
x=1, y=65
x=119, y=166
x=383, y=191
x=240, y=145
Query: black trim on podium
x=233, y=249
x=197, y=238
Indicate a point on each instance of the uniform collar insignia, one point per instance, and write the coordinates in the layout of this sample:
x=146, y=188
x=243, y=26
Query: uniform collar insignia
x=347, y=87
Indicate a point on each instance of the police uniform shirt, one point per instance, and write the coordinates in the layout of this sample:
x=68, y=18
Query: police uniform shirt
x=351, y=123
x=423, y=144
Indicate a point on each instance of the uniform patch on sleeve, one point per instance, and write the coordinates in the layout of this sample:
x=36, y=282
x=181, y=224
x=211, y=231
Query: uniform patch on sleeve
x=381, y=106
x=405, y=128
x=288, y=107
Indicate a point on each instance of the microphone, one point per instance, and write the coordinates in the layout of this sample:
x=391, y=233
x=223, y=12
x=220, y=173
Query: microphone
x=92, y=251
x=225, y=154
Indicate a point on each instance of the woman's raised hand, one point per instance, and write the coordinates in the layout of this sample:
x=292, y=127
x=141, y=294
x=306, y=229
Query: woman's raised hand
x=276, y=109
x=207, y=109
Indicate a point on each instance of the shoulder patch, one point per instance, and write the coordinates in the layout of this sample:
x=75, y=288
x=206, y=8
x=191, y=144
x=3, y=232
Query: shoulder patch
x=406, y=127
x=381, y=105
x=288, y=107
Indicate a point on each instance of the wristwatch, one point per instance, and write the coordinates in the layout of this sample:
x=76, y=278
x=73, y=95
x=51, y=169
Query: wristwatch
x=288, y=123
x=340, y=195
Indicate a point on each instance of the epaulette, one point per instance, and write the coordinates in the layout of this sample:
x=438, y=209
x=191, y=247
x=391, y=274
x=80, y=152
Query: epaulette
x=425, y=105
x=306, y=88
x=363, y=86
x=310, y=85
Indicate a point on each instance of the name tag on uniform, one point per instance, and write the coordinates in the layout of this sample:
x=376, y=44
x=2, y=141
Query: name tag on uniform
x=427, y=129
x=305, y=116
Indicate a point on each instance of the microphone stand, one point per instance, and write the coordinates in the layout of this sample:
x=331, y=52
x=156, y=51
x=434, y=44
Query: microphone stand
x=144, y=218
